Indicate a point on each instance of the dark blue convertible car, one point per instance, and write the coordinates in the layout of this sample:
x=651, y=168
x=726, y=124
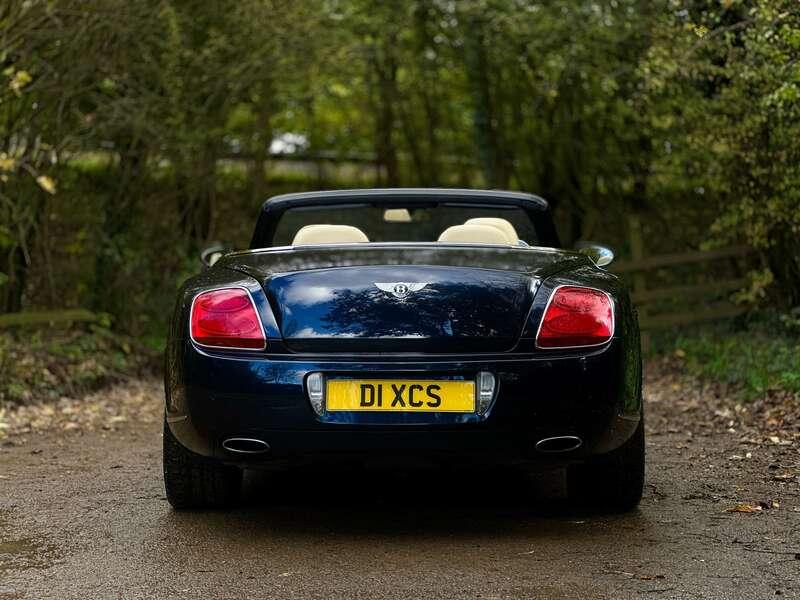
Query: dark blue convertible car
x=419, y=324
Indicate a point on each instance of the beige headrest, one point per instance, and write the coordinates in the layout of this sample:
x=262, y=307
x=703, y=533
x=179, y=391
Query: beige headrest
x=313, y=235
x=474, y=234
x=397, y=215
x=503, y=225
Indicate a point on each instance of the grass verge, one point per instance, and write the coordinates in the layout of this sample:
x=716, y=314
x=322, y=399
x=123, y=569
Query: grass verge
x=755, y=356
x=43, y=364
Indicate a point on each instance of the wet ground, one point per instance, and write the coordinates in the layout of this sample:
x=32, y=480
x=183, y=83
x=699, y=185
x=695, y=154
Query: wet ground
x=83, y=515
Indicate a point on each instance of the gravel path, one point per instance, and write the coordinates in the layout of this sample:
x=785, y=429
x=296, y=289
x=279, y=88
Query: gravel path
x=83, y=515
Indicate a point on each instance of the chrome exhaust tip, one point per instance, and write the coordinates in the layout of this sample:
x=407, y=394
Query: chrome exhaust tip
x=560, y=443
x=242, y=445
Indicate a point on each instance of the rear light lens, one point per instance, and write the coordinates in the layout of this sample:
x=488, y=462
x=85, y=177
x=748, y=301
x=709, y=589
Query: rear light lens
x=575, y=317
x=227, y=318
x=316, y=392
x=486, y=385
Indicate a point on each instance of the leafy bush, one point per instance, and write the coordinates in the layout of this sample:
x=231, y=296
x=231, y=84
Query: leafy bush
x=756, y=357
x=45, y=364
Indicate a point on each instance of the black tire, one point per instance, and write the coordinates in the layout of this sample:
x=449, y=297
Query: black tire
x=612, y=482
x=193, y=481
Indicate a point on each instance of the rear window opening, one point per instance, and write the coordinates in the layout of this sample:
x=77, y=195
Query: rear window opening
x=398, y=223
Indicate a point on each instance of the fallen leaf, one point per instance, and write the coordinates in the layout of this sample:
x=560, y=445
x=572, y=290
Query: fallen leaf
x=19, y=81
x=744, y=507
x=46, y=183
x=7, y=163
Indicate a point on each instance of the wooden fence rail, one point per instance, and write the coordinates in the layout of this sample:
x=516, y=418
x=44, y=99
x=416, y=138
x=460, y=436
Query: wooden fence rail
x=680, y=258
x=24, y=319
x=645, y=297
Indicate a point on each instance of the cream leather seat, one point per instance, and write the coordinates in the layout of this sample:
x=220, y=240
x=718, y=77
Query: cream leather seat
x=503, y=225
x=474, y=234
x=314, y=235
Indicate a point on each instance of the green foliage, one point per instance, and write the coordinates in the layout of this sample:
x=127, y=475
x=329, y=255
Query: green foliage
x=39, y=364
x=791, y=321
x=730, y=81
x=760, y=281
x=756, y=358
x=131, y=133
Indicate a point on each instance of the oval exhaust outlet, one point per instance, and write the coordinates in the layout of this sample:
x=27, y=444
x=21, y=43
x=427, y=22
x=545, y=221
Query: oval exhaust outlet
x=560, y=443
x=242, y=445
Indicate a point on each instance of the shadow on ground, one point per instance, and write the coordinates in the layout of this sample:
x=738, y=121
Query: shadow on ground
x=353, y=501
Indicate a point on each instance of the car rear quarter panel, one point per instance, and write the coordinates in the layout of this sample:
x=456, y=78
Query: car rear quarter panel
x=626, y=331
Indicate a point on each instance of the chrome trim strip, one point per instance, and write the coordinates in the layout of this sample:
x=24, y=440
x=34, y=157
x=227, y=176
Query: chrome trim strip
x=578, y=442
x=396, y=359
x=264, y=445
x=545, y=249
x=177, y=419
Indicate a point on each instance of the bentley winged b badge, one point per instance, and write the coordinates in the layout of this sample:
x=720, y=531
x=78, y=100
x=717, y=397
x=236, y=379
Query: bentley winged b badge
x=400, y=289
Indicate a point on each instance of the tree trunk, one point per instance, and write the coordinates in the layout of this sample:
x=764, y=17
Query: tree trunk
x=385, y=67
x=784, y=262
x=197, y=180
x=17, y=258
x=430, y=174
x=412, y=139
x=258, y=175
x=17, y=277
x=484, y=118
x=117, y=214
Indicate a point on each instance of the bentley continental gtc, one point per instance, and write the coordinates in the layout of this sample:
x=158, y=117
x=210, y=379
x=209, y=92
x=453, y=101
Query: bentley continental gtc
x=446, y=326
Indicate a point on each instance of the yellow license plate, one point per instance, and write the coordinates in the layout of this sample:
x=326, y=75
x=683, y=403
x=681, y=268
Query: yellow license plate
x=394, y=395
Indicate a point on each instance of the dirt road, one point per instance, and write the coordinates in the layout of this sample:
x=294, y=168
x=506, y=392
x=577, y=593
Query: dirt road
x=83, y=515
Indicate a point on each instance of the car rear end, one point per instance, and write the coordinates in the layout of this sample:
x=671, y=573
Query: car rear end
x=534, y=366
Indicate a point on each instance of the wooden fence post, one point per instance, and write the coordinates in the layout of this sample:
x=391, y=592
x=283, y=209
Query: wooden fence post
x=639, y=278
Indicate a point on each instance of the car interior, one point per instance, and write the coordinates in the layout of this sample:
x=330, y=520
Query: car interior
x=480, y=230
x=361, y=223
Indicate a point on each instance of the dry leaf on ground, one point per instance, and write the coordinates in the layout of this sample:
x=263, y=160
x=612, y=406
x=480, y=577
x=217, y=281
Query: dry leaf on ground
x=744, y=507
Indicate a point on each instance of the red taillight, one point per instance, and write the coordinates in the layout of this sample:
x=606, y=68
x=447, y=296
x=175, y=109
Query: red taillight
x=226, y=319
x=576, y=316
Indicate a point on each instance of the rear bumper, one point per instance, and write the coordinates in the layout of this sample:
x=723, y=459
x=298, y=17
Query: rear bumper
x=594, y=396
